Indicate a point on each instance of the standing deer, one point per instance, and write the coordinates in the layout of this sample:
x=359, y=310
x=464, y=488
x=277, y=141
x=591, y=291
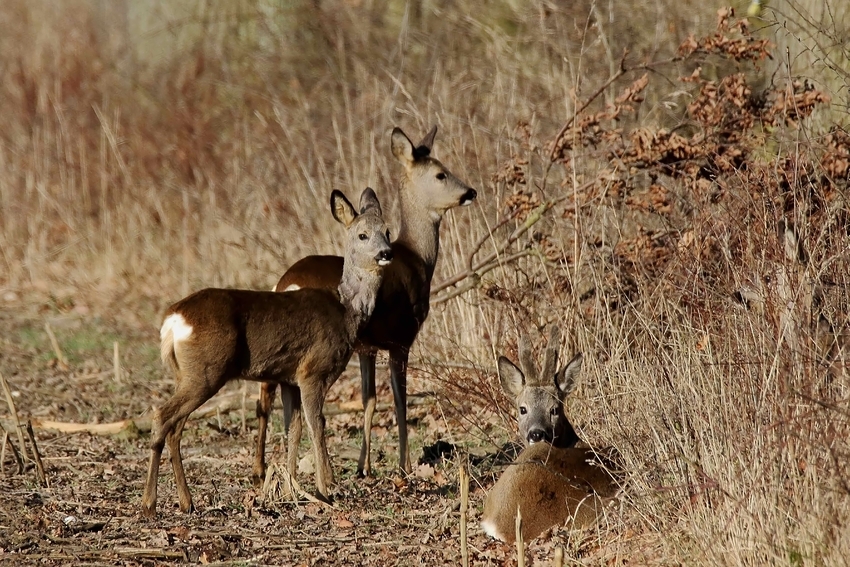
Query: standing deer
x=427, y=190
x=552, y=480
x=304, y=338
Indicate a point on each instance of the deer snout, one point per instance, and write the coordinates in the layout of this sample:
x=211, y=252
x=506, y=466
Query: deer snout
x=468, y=197
x=384, y=257
x=536, y=436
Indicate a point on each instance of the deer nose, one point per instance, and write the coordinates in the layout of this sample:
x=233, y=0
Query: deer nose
x=384, y=257
x=536, y=436
x=468, y=197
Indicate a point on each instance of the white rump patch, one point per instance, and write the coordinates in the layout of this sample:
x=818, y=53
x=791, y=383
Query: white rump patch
x=176, y=324
x=489, y=528
x=292, y=287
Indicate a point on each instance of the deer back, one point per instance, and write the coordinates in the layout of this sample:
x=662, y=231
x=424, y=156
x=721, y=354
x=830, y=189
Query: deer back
x=550, y=486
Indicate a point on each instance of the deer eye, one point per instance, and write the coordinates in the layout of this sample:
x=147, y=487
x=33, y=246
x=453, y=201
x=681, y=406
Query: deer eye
x=388, y=234
x=523, y=410
x=441, y=176
x=362, y=236
x=553, y=411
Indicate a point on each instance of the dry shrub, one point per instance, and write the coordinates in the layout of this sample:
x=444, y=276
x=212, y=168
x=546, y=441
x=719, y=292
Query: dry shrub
x=704, y=268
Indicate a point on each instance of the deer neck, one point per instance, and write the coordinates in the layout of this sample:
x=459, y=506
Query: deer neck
x=420, y=231
x=565, y=436
x=358, y=291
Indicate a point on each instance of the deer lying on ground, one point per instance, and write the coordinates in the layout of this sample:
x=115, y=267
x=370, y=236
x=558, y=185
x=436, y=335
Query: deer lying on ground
x=427, y=190
x=304, y=338
x=556, y=478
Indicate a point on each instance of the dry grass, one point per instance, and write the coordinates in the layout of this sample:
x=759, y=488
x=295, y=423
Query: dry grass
x=147, y=152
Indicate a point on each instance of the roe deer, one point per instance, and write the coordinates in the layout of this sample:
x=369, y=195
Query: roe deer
x=540, y=397
x=303, y=338
x=552, y=480
x=427, y=190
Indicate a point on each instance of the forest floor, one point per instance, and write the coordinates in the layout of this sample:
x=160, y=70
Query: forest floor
x=88, y=513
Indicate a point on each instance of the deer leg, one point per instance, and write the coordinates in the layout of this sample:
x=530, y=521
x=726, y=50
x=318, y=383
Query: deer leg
x=184, y=401
x=173, y=441
x=312, y=399
x=398, y=379
x=264, y=408
x=367, y=389
x=291, y=398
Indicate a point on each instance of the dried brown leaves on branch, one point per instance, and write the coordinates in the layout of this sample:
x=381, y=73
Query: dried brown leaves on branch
x=704, y=193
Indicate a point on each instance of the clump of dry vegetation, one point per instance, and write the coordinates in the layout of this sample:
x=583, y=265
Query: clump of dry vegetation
x=663, y=181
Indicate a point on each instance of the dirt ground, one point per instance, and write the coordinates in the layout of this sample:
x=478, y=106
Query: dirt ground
x=88, y=514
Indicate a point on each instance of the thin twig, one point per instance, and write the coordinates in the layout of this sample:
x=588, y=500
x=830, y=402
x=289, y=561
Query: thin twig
x=63, y=362
x=39, y=466
x=520, y=544
x=18, y=461
x=464, y=507
x=493, y=260
x=116, y=362
x=11, y=403
x=558, y=560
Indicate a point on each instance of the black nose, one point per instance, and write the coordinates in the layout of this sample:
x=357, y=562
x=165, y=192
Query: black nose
x=384, y=256
x=536, y=436
x=468, y=197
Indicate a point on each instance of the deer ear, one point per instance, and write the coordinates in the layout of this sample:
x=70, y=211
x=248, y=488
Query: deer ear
x=427, y=143
x=342, y=209
x=402, y=147
x=369, y=201
x=511, y=377
x=566, y=378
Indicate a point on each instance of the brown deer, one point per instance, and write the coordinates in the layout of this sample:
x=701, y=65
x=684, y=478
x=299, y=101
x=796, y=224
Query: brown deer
x=552, y=481
x=426, y=192
x=304, y=338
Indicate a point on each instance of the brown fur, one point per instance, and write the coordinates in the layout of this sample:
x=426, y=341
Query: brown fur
x=550, y=486
x=403, y=302
x=303, y=339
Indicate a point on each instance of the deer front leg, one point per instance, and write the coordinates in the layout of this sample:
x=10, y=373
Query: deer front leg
x=264, y=408
x=398, y=379
x=367, y=390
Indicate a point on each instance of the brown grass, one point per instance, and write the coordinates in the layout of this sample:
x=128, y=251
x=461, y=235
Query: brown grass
x=147, y=153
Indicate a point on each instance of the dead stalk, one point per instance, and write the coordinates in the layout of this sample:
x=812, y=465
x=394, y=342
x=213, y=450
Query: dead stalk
x=558, y=560
x=39, y=466
x=520, y=544
x=116, y=362
x=11, y=403
x=63, y=362
x=464, y=507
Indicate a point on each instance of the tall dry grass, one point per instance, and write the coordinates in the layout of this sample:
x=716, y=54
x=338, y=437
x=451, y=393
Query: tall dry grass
x=150, y=149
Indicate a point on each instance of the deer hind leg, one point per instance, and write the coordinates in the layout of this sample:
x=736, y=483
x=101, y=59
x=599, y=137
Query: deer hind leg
x=312, y=399
x=264, y=408
x=173, y=441
x=292, y=425
x=398, y=379
x=168, y=425
x=367, y=389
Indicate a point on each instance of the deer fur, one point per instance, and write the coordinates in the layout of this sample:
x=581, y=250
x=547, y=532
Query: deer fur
x=304, y=338
x=549, y=486
x=556, y=478
x=427, y=191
